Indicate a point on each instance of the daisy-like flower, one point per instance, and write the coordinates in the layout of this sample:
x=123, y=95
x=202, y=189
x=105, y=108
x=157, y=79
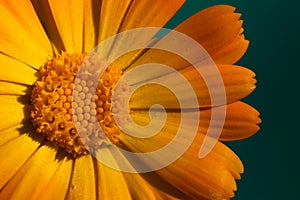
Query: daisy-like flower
x=42, y=46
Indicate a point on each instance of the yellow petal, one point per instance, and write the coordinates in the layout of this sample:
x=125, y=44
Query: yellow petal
x=139, y=188
x=12, y=88
x=43, y=11
x=82, y=185
x=238, y=83
x=17, y=40
x=12, y=111
x=151, y=186
x=150, y=13
x=59, y=183
x=91, y=23
x=216, y=28
x=157, y=14
x=109, y=24
x=34, y=175
x=21, y=148
x=111, y=183
x=10, y=133
x=14, y=71
x=135, y=14
x=25, y=14
x=68, y=16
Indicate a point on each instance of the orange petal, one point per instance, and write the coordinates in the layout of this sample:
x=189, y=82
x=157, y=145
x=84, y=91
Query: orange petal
x=135, y=14
x=233, y=52
x=170, y=128
x=208, y=177
x=241, y=121
x=153, y=55
x=216, y=28
x=238, y=83
x=150, y=13
x=157, y=14
x=200, y=178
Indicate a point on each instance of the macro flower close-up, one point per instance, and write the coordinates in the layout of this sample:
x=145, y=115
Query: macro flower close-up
x=52, y=107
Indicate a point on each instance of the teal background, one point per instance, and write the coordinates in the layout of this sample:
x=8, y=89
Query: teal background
x=271, y=156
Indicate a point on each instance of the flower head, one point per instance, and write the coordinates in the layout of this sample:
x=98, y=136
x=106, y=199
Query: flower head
x=53, y=103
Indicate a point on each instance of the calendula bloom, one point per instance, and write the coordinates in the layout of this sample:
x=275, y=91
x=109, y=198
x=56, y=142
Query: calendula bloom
x=42, y=47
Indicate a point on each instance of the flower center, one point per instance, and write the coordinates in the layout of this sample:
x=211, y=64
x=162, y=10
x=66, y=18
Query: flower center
x=60, y=100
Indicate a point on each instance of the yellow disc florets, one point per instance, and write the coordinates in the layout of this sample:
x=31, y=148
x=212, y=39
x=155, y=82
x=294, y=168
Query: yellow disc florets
x=54, y=106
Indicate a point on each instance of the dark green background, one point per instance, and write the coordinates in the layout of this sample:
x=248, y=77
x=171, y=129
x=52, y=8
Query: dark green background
x=271, y=156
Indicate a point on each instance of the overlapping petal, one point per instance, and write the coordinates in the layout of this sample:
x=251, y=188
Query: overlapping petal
x=219, y=30
x=33, y=31
x=237, y=81
x=18, y=40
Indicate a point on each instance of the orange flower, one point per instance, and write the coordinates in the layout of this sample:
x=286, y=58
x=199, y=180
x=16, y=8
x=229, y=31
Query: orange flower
x=43, y=44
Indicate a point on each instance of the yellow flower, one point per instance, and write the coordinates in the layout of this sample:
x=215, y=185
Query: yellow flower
x=42, y=45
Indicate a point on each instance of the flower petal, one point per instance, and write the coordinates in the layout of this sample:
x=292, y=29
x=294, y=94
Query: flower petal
x=157, y=14
x=12, y=88
x=170, y=129
x=135, y=14
x=14, y=71
x=91, y=24
x=12, y=111
x=138, y=187
x=43, y=11
x=232, y=52
x=34, y=175
x=68, y=17
x=238, y=82
x=208, y=177
x=82, y=185
x=241, y=121
x=216, y=28
x=59, y=183
x=161, y=188
x=109, y=24
x=22, y=146
x=111, y=183
x=17, y=40
x=10, y=133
